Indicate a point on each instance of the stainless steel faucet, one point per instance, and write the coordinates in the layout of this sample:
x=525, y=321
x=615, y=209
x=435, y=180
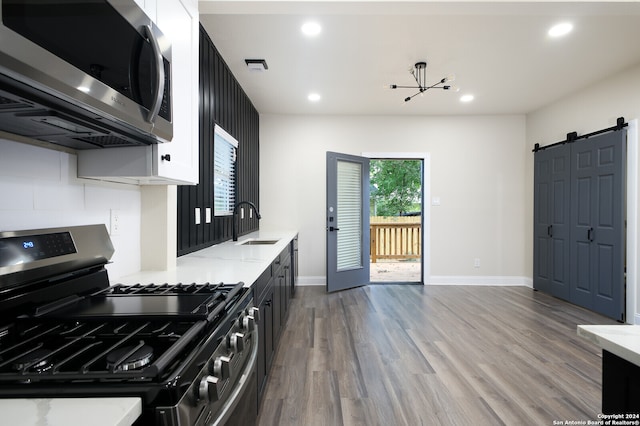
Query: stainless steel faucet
x=235, y=211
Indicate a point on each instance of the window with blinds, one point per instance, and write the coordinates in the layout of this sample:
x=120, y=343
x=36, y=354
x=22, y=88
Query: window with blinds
x=349, y=243
x=224, y=172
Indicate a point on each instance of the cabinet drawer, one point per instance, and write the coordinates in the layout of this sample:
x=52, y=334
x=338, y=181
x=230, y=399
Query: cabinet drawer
x=284, y=257
x=261, y=286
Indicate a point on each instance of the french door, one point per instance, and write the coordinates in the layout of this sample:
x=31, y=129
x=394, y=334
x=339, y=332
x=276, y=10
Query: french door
x=347, y=221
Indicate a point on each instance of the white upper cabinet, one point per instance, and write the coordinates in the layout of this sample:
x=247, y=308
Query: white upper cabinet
x=175, y=162
x=181, y=26
x=149, y=6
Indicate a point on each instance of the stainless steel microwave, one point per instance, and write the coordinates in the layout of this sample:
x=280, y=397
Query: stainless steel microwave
x=84, y=73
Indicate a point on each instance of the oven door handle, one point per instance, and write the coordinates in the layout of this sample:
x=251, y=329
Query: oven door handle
x=242, y=385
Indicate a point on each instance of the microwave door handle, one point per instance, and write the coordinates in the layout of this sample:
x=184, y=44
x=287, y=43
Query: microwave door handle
x=157, y=101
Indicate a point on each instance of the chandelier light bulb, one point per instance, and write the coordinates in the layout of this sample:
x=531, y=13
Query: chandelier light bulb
x=419, y=73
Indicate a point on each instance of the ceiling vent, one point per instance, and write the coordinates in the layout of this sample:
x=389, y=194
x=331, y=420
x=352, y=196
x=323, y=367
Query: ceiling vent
x=256, y=64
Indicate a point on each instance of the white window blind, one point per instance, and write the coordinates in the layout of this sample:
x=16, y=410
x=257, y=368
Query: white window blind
x=224, y=172
x=349, y=243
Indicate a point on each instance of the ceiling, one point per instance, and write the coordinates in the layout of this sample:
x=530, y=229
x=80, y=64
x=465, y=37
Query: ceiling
x=500, y=52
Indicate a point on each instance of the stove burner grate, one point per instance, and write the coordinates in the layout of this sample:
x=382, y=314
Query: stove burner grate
x=90, y=350
x=130, y=357
x=58, y=345
x=37, y=360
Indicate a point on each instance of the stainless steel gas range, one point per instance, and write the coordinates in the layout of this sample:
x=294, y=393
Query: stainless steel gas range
x=187, y=350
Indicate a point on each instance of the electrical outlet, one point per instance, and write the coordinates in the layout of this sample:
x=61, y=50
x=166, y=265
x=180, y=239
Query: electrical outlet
x=114, y=225
x=476, y=263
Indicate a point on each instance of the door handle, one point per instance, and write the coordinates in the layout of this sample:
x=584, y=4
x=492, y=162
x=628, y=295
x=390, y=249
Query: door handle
x=590, y=234
x=157, y=55
x=550, y=230
x=331, y=229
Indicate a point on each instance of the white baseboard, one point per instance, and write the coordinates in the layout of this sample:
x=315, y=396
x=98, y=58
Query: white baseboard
x=481, y=280
x=310, y=280
x=448, y=280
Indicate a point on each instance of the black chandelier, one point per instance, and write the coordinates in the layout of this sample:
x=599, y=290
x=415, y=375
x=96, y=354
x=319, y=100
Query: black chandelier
x=419, y=72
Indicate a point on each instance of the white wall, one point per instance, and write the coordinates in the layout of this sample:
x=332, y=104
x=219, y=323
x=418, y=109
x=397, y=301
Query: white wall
x=477, y=171
x=589, y=110
x=39, y=189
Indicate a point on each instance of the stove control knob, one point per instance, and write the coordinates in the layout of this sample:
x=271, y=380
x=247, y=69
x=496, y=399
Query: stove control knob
x=255, y=312
x=248, y=323
x=210, y=389
x=240, y=320
x=238, y=341
x=222, y=367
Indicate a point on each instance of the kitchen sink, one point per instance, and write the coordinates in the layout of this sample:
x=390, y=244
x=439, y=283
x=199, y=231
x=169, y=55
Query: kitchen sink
x=259, y=242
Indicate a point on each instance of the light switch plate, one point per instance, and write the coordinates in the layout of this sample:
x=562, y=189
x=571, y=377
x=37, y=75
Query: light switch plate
x=197, y=216
x=207, y=215
x=114, y=224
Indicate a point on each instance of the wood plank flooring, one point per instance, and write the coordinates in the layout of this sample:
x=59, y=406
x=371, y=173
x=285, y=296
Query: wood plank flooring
x=432, y=355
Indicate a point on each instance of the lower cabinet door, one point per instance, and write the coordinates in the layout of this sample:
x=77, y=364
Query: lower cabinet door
x=265, y=341
x=262, y=360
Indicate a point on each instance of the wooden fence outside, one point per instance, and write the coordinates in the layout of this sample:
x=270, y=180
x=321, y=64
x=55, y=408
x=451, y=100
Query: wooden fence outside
x=396, y=238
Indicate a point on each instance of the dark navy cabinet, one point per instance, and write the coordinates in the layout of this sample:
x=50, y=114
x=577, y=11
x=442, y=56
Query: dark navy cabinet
x=272, y=293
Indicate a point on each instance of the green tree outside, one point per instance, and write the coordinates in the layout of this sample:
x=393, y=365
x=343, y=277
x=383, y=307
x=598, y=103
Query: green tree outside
x=395, y=187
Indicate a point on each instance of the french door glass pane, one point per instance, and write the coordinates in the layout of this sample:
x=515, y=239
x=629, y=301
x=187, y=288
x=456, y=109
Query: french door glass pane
x=349, y=241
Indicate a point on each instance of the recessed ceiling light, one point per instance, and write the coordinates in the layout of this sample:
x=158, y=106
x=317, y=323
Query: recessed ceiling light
x=561, y=29
x=311, y=29
x=313, y=97
x=466, y=98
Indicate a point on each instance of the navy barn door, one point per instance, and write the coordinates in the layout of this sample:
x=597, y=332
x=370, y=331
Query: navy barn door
x=579, y=222
x=598, y=223
x=552, y=221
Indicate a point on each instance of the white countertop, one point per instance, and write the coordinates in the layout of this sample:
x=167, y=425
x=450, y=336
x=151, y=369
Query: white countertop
x=228, y=262
x=70, y=411
x=621, y=340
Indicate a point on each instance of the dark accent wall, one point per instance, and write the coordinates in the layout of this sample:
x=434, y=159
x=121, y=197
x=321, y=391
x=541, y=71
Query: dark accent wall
x=223, y=102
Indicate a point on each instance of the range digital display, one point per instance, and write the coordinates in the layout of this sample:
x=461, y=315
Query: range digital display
x=21, y=250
